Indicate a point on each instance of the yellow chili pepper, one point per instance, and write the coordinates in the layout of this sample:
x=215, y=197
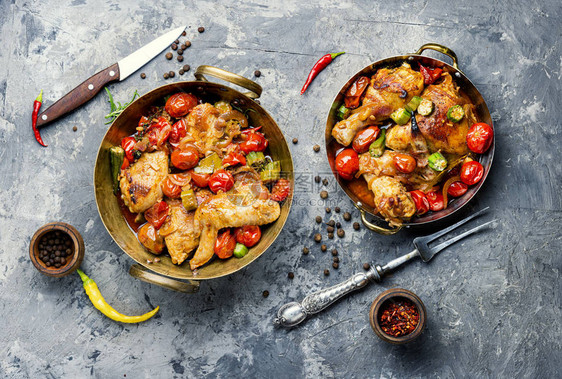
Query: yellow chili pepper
x=99, y=302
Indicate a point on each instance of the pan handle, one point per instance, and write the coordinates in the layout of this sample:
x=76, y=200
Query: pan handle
x=373, y=227
x=139, y=272
x=253, y=87
x=442, y=49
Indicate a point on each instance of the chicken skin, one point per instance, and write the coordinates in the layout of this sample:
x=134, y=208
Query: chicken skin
x=182, y=231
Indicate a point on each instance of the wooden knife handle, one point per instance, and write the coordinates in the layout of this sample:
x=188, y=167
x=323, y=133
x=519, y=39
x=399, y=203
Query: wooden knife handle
x=79, y=95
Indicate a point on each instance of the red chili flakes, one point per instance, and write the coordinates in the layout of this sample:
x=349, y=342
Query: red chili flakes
x=399, y=317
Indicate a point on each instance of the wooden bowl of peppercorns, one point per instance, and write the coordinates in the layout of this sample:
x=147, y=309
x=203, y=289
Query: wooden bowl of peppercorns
x=56, y=249
x=397, y=316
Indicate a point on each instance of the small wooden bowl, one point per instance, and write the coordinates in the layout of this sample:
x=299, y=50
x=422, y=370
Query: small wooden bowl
x=390, y=295
x=73, y=262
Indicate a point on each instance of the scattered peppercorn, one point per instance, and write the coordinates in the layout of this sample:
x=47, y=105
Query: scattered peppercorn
x=318, y=219
x=323, y=247
x=366, y=266
x=172, y=74
x=335, y=265
x=331, y=236
x=257, y=73
x=330, y=229
x=200, y=29
x=183, y=47
x=166, y=75
x=317, y=237
x=336, y=259
x=337, y=209
x=180, y=52
x=341, y=233
x=326, y=272
x=325, y=182
x=74, y=128
x=187, y=44
x=186, y=67
x=338, y=224
x=291, y=275
x=177, y=41
x=183, y=34
x=331, y=223
x=52, y=248
x=295, y=140
x=317, y=179
x=356, y=226
x=316, y=148
x=265, y=293
x=347, y=216
x=181, y=72
x=328, y=210
x=143, y=75
x=324, y=194
x=305, y=250
x=169, y=56
x=174, y=46
x=180, y=58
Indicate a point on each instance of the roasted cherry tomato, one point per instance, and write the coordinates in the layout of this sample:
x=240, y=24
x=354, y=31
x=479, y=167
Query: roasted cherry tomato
x=280, y=190
x=435, y=199
x=128, y=144
x=225, y=244
x=255, y=141
x=347, y=163
x=221, y=180
x=125, y=164
x=404, y=163
x=471, y=172
x=234, y=158
x=156, y=215
x=144, y=122
x=421, y=202
x=159, y=131
x=151, y=239
x=479, y=137
x=365, y=138
x=185, y=158
x=353, y=94
x=179, y=130
x=248, y=235
x=457, y=189
x=430, y=75
x=180, y=104
x=173, y=191
x=200, y=180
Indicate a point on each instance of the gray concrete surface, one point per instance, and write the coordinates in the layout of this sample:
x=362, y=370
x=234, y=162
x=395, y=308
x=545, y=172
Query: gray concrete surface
x=493, y=301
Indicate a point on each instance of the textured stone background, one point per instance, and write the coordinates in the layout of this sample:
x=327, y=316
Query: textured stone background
x=493, y=300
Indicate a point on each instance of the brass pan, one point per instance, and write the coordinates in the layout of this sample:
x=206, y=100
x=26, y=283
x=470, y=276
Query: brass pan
x=165, y=273
x=359, y=185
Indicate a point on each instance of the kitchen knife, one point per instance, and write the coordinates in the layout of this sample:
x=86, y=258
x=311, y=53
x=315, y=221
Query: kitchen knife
x=116, y=72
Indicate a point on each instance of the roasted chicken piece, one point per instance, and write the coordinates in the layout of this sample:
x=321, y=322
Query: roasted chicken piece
x=439, y=132
x=140, y=182
x=391, y=199
x=245, y=204
x=180, y=231
x=389, y=90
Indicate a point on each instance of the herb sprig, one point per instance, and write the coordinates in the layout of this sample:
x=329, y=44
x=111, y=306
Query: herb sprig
x=117, y=109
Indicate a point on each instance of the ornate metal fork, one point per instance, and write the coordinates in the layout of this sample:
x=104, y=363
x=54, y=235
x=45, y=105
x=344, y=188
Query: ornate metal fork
x=294, y=313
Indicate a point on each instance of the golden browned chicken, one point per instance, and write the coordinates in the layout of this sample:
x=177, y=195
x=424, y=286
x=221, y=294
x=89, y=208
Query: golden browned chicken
x=242, y=205
x=389, y=90
x=180, y=231
x=140, y=182
x=439, y=132
x=392, y=200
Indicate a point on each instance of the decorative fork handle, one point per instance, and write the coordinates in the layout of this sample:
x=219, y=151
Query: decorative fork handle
x=294, y=313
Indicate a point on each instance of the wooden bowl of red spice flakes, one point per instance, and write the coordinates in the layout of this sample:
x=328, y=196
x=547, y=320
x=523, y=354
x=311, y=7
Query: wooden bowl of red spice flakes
x=397, y=316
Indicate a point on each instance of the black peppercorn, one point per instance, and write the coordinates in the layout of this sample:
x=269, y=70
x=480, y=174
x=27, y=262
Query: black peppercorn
x=338, y=224
x=317, y=237
x=335, y=252
x=143, y=75
x=166, y=75
x=336, y=259
x=74, y=128
x=186, y=67
x=265, y=293
x=347, y=216
x=180, y=52
x=326, y=272
x=366, y=266
x=330, y=229
x=324, y=194
x=177, y=41
x=316, y=148
x=172, y=74
x=341, y=233
x=180, y=58
x=305, y=250
x=200, y=29
x=323, y=247
x=174, y=46
x=328, y=210
x=318, y=219
x=331, y=236
x=183, y=33
x=169, y=56
x=257, y=73
x=295, y=140
x=337, y=209
x=181, y=72
x=187, y=44
x=325, y=182
x=335, y=265
x=356, y=226
x=183, y=47
x=317, y=179
x=331, y=223
x=291, y=275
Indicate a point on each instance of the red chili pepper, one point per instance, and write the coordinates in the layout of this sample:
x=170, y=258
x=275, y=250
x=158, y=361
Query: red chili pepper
x=36, y=106
x=430, y=75
x=319, y=66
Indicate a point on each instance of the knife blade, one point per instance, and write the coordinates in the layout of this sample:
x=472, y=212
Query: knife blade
x=116, y=72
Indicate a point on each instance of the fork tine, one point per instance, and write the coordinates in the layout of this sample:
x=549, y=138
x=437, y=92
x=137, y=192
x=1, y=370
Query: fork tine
x=436, y=249
x=438, y=234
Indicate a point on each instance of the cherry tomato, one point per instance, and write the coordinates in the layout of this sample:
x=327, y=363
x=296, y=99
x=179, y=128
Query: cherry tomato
x=280, y=190
x=471, y=172
x=125, y=164
x=143, y=122
x=225, y=244
x=347, y=163
x=156, y=215
x=479, y=137
x=128, y=144
x=234, y=158
x=353, y=94
x=185, y=158
x=404, y=163
x=430, y=75
x=221, y=180
x=159, y=131
x=248, y=235
x=179, y=130
x=421, y=202
x=457, y=189
x=365, y=138
x=180, y=104
x=200, y=180
x=255, y=141
x=173, y=191
x=436, y=201
x=150, y=238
